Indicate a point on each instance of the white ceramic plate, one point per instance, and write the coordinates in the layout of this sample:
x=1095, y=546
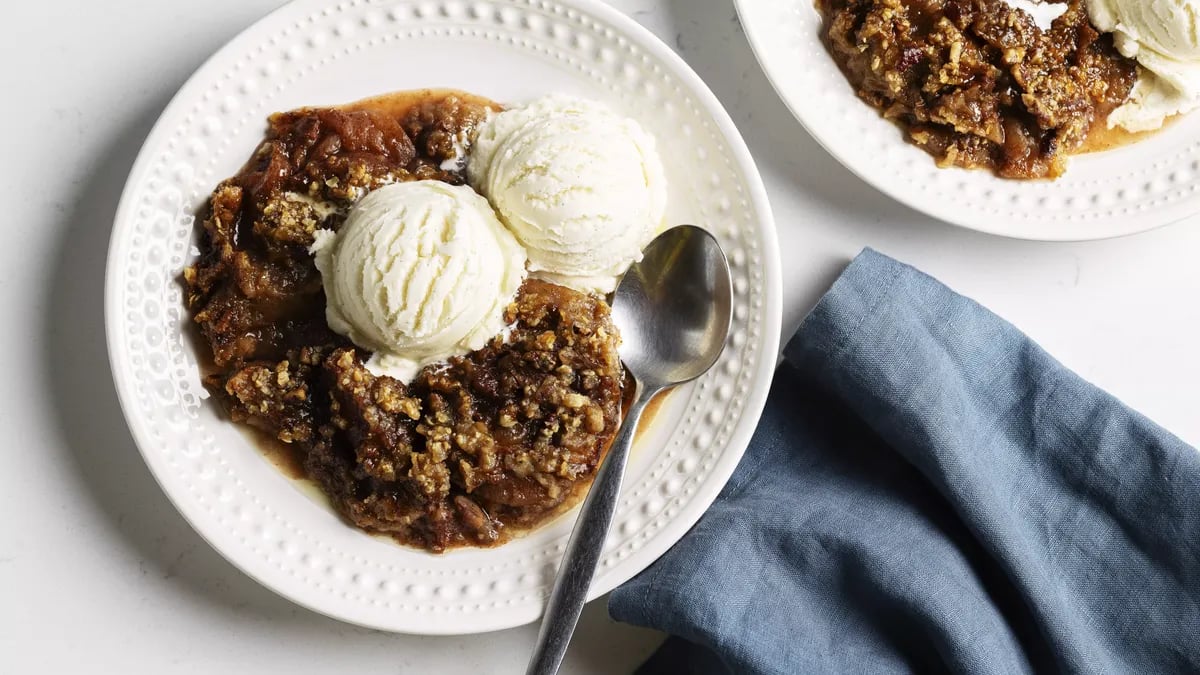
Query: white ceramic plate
x=314, y=52
x=1123, y=191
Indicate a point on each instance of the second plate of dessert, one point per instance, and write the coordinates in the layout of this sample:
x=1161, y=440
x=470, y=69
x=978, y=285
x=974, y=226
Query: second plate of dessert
x=1025, y=120
x=406, y=297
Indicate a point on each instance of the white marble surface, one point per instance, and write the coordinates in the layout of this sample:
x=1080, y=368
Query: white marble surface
x=97, y=571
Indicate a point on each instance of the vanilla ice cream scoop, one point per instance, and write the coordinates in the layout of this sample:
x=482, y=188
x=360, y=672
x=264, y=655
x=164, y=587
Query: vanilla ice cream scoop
x=1163, y=36
x=580, y=186
x=419, y=272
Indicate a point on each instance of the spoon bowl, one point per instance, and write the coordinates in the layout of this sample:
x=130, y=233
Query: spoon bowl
x=673, y=309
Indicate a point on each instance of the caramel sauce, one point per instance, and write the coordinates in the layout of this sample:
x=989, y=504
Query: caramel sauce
x=627, y=392
x=397, y=104
x=1102, y=139
x=650, y=412
x=287, y=457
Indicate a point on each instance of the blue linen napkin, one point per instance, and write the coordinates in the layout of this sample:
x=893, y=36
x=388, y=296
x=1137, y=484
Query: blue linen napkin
x=929, y=491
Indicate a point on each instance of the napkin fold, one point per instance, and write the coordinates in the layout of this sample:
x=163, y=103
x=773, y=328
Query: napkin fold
x=929, y=491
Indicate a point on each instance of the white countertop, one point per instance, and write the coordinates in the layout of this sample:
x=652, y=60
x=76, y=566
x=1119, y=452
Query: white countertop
x=98, y=573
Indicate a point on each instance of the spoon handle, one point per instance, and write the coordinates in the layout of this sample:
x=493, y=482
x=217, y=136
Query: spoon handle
x=583, y=550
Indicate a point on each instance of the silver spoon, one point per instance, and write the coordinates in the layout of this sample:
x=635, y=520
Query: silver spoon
x=673, y=310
